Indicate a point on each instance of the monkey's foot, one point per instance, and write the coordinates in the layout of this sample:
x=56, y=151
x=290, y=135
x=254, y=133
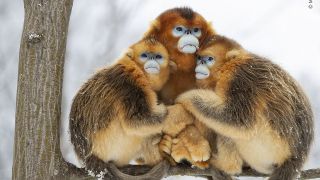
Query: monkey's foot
x=196, y=144
x=180, y=152
x=190, y=145
x=202, y=164
x=199, y=151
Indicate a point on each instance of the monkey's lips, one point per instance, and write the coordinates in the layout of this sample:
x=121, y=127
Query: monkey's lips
x=188, y=48
x=202, y=72
x=152, y=70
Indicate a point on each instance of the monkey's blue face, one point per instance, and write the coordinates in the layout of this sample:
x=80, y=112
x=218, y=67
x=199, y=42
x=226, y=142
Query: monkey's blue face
x=152, y=62
x=188, y=38
x=204, y=63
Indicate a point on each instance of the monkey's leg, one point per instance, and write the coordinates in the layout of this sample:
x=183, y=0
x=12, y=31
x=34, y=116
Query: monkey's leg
x=192, y=146
x=177, y=120
x=211, y=109
x=150, y=152
x=227, y=157
x=288, y=170
x=170, y=120
x=96, y=165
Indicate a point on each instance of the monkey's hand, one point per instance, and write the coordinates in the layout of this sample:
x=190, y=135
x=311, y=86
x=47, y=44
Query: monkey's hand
x=190, y=145
x=201, y=96
x=177, y=120
x=165, y=149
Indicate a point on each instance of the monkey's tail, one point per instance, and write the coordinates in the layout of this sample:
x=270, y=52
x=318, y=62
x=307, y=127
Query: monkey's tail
x=97, y=167
x=290, y=169
x=157, y=172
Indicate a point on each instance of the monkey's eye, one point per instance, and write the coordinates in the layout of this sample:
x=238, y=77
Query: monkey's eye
x=143, y=57
x=196, y=32
x=159, y=59
x=209, y=60
x=178, y=31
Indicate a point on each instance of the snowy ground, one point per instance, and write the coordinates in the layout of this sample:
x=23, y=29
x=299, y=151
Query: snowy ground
x=285, y=31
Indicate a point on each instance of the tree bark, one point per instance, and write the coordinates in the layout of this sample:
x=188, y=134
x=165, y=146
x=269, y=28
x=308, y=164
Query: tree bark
x=42, y=51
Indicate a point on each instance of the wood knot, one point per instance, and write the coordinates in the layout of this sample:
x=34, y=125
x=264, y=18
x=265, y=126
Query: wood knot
x=34, y=38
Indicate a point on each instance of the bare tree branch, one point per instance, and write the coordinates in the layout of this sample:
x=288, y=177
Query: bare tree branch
x=137, y=172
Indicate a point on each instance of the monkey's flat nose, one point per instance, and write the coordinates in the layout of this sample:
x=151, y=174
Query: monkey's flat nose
x=188, y=31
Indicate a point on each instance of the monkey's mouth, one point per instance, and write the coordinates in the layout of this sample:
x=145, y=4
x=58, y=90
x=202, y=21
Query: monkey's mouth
x=201, y=75
x=188, y=48
x=152, y=70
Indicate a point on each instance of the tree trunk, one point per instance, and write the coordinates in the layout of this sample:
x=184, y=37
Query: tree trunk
x=37, y=149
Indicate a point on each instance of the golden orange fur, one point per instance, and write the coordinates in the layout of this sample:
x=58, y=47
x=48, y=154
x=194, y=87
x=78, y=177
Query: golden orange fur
x=183, y=78
x=257, y=106
x=116, y=115
x=161, y=29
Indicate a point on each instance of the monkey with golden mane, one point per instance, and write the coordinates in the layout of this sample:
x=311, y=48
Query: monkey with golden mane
x=116, y=114
x=255, y=105
x=181, y=31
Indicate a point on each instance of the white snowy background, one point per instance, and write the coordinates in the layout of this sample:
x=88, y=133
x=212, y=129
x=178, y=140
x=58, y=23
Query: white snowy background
x=286, y=31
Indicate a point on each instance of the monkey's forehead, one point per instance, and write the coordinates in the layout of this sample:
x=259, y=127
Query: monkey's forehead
x=152, y=48
x=184, y=12
x=175, y=18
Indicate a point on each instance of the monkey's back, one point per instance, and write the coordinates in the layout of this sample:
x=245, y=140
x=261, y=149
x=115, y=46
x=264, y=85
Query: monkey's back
x=286, y=106
x=98, y=101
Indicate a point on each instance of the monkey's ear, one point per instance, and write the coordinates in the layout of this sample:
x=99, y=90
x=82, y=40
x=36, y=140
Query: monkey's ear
x=233, y=53
x=130, y=53
x=172, y=66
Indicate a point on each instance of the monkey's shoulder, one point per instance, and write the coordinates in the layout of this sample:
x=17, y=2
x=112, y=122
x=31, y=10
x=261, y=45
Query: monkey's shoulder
x=117, y=77
x=252, y=71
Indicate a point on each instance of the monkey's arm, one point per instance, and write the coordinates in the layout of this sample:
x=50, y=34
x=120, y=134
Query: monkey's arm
x=216, y=113
x=176, y=120
x=145, y=116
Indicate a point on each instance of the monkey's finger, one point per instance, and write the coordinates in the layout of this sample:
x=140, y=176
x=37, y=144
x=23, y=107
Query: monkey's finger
x=180, y=153
x=175, y=141
x=156, y=140
x=165, y=147
x=199, y=153
x=167, y=137
x=202, y=164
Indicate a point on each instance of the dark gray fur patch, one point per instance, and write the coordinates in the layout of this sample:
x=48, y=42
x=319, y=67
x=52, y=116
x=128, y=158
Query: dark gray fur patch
x=288, y=170
x=211, y=137
x=239, y=107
